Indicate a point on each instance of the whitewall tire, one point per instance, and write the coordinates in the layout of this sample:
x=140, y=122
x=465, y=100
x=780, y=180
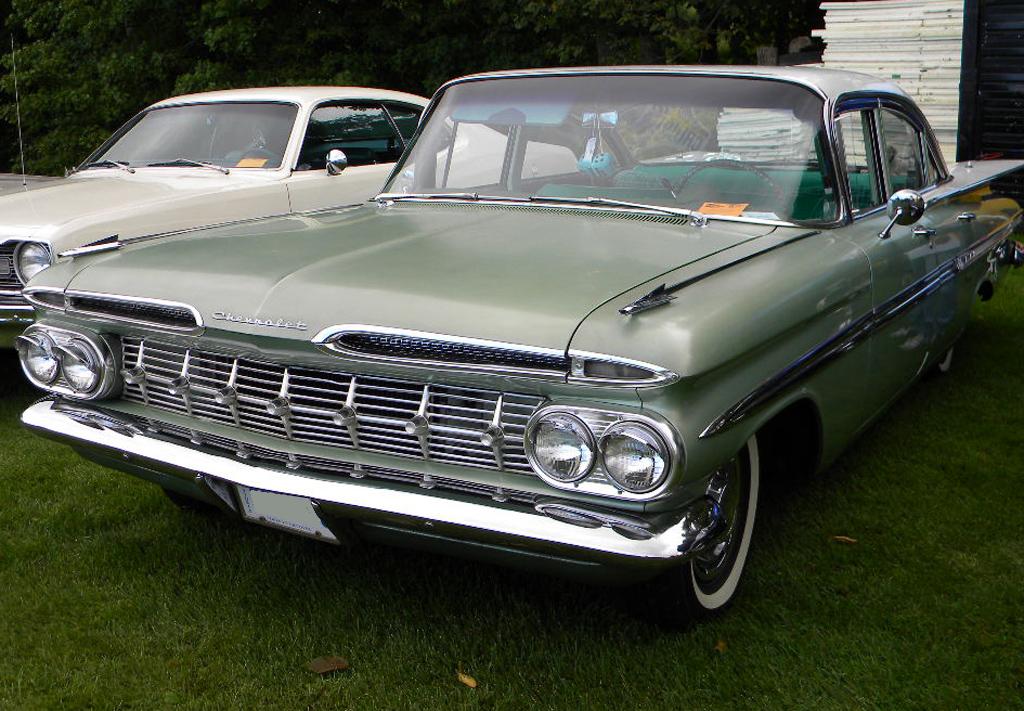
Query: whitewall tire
x=708, y=582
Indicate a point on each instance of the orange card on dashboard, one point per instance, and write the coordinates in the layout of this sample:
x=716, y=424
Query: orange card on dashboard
x=251, y=163
x=725, y=209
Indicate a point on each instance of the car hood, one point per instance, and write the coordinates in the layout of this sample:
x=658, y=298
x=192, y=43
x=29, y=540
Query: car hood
x=514, y=274
x=55, y=207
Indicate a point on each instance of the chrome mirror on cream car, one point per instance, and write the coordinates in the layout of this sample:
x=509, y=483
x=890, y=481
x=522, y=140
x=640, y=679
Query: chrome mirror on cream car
x=905, y=208
x=337, y=161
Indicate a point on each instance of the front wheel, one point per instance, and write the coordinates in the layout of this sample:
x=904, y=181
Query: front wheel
x=707, y=583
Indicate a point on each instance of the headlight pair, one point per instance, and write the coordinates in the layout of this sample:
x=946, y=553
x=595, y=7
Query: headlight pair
x=64, y=362
x=30, y=258
x=563, y=449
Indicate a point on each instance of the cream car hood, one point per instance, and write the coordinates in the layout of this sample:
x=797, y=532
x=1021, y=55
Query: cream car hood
x=82, y=208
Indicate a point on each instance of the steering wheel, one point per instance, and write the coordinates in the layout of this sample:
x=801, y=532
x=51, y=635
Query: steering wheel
x=776, y=188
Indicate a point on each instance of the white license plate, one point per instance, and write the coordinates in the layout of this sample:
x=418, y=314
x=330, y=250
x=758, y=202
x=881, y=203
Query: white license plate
x=289, y=513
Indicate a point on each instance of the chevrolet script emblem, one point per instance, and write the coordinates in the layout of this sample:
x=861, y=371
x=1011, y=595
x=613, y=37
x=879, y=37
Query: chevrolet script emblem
x=270, y=323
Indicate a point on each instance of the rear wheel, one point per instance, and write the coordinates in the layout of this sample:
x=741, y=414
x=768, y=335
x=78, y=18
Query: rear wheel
x=707, y=583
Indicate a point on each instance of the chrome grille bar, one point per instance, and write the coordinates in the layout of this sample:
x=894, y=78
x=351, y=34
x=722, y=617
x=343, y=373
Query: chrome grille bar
x=455, y=425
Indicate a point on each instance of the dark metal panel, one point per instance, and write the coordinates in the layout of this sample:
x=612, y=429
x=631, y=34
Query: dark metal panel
x=992, y=85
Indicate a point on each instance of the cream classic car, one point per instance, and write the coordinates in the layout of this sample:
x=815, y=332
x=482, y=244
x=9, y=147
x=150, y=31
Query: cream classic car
x=203, y=159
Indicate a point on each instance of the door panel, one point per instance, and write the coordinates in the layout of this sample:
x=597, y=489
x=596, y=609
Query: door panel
x=316, y=190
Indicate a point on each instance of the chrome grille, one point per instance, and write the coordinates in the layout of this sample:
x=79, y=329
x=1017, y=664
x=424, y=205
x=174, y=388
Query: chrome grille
x=9, y=280
x=390, y=345
x=159, y=314
x=456, y=425
x=12, y=300
x=336, y=468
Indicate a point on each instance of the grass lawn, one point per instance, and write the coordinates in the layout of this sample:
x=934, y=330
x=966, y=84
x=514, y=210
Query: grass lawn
x=111, y=597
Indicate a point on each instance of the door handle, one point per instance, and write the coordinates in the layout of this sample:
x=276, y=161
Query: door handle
x=966, y=217
x=922, y=231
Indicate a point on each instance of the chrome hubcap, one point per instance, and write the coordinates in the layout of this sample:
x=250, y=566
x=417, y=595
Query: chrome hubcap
x=725, y=487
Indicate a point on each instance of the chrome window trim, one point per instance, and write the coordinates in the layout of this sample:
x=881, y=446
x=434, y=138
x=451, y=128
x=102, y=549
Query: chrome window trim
x=71, y=293
x=858, y=331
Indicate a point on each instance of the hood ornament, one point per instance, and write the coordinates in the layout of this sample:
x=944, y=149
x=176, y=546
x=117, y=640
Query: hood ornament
x=253, y=321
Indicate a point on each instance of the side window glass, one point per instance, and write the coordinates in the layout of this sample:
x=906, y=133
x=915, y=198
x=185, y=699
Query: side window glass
x=543, y=160
x=405, y=117
x=901, y=152
x=932, y=168
x=861, y=171
x=363, y=132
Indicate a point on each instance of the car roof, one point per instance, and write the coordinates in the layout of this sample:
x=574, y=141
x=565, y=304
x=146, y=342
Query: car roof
x=828, y=83
x=303, y=95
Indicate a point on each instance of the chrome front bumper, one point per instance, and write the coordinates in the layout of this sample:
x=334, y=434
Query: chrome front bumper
x=554, y=535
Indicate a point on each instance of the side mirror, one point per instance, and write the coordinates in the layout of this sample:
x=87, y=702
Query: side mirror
x=337, y=161
x=905, y=208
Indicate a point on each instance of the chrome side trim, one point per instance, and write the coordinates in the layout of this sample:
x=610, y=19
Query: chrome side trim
x=104, y=244
x=413, y=508
x=31, y=292
x=859, y=331
x=658, y=374
x=119, y=298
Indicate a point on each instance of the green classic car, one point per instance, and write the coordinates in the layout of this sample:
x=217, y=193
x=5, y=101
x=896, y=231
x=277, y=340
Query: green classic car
x=590, y=312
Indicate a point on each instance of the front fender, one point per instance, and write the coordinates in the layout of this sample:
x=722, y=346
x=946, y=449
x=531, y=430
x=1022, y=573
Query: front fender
x=731, y=331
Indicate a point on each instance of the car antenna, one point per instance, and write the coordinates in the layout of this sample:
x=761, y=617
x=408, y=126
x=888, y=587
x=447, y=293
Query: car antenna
x=17, y=109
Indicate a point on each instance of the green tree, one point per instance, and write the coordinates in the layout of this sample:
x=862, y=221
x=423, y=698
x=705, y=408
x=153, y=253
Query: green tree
x=86, y=66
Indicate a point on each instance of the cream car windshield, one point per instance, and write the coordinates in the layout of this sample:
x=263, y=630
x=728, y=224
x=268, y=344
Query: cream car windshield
x=724, y=146
x=227, y=135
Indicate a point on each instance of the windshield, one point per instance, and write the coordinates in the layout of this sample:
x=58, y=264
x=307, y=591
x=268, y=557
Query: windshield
x=723, y=146
x=230, y=135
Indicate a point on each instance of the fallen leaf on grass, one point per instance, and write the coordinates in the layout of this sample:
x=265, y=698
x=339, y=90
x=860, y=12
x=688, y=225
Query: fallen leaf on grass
x=328, y=665
x=466, y=679
x=720, y=646
x=844, y=539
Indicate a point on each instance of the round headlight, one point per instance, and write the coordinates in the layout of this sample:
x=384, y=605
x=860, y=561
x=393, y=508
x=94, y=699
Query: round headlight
x=634, y=456
x=38, y=357
x=31, y=258
x=561, y=447
x=80, y=365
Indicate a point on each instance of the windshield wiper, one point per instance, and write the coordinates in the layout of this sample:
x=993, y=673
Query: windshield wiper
x=383, y=197
x=105, y=163
x=189, y=161
x=611, y=202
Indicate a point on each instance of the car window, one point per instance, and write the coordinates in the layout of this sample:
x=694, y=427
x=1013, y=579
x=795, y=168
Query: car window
x=363, y=132
x=405, y=117
x=933, y=174
x=228, y=134
x=901, y=153
x=542, y=160
x=725, y=146
x=855, y=131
